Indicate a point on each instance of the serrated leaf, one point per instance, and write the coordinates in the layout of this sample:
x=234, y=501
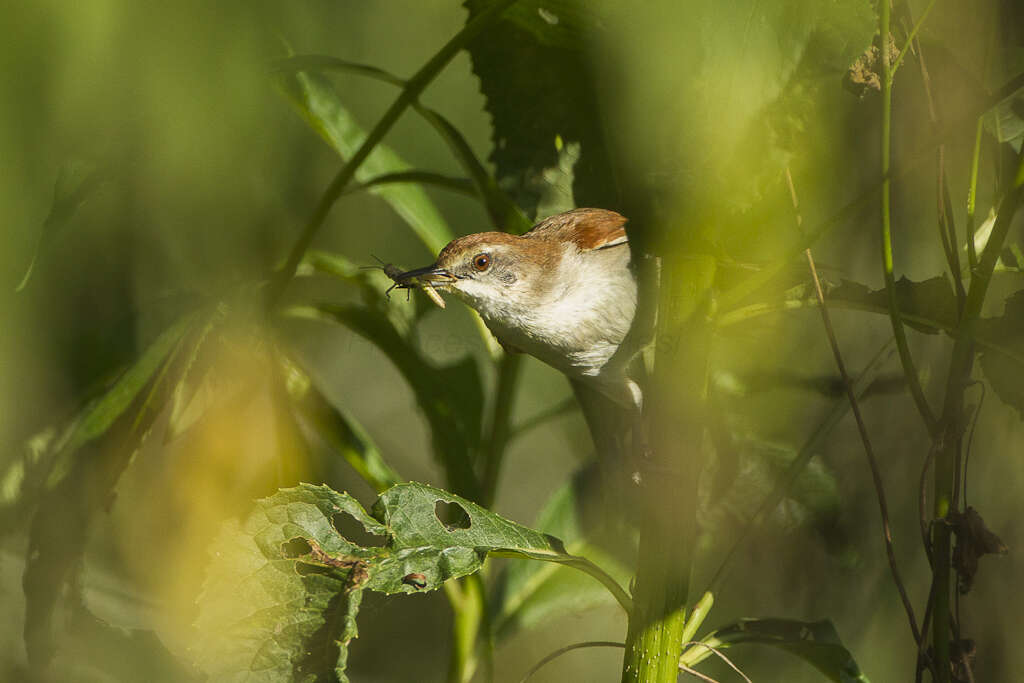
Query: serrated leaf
x=816, y=642
x=535, y=75
x=76, y=182
x=1004, y=365
x=315, y=98
x=283, y=589
x=928, y=306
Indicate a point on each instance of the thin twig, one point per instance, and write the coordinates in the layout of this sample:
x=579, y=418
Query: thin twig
x=906, y=359
x=862, y=429
x=697, y=674
x=716, y=651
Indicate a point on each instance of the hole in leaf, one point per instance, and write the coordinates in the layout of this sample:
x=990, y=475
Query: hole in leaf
x=452, y=515
x=353, y=531
x=296, y=547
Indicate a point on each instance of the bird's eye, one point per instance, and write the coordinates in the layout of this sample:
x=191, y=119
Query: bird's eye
x=481, y=262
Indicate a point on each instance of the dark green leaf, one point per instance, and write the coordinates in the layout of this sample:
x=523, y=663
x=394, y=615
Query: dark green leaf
x=76, y=182
x=451, y=396
x=928, y=306
x=527, y=593
x=502, y=210
x=90, y=460
x=535, y=75
x=1003, y=365
x=816, y=642
x=102, y=413
x=339, y=430
x=283, y=589
x=319, y=104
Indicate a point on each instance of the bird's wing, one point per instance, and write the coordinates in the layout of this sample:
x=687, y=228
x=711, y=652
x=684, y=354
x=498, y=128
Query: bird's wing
x=589, y=229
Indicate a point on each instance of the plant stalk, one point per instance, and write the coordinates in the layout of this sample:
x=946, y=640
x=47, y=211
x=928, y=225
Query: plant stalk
x=949, y=437
x=669, y=475
x=909, y=369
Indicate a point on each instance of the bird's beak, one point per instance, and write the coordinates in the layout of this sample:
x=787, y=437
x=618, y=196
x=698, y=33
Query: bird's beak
x=430, y=275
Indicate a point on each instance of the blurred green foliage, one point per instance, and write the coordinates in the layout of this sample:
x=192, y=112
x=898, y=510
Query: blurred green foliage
x=158, y=175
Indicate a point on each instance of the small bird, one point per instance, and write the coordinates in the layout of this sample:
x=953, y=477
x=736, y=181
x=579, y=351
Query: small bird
x=564, y=292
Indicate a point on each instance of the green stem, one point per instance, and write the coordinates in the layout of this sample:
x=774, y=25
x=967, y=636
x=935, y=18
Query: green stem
x=667, y=537
x=407, y=97
x=909, y=369
x=494, y=448
x=468, y=614
x=949, y=438
x=972, y=193
x=910, y=36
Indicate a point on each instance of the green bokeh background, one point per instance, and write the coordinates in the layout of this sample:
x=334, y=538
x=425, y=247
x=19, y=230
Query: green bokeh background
x=216, y=176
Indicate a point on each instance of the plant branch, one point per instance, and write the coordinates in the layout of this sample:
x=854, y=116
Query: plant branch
x=409, y=95
x=949, y=438
x=909, y=369
x=876, y=476
x=910, y=37
x=883, y=506
x=813, y=444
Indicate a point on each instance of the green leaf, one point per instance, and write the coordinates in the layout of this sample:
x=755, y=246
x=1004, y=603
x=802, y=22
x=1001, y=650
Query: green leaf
x=338, y=429
x=283, y=589
x=1004, y=365
x=504, y=213
x=929, y=306
x=89, y=461
x=527, y=593
x=535, y=75
x=816, y=642
x=99, y=415
x=451, y=396
x=76, y=182
x=315, y=98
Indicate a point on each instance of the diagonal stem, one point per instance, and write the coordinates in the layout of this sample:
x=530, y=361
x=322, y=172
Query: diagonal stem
x=851, y=396
x=410, y=93
x=899, y=332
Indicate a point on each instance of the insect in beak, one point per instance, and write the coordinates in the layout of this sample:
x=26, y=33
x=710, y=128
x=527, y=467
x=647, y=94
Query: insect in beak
x=426, y=279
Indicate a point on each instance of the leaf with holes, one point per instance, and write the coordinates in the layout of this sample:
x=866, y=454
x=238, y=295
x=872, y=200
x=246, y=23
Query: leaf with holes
x=283, y=588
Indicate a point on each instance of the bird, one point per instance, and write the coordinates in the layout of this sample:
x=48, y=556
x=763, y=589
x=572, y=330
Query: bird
x=564, y=292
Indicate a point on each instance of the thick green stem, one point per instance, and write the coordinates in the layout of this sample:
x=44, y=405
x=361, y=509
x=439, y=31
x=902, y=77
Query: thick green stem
x=674, y=407
x=410, y=93
x=950, y=436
